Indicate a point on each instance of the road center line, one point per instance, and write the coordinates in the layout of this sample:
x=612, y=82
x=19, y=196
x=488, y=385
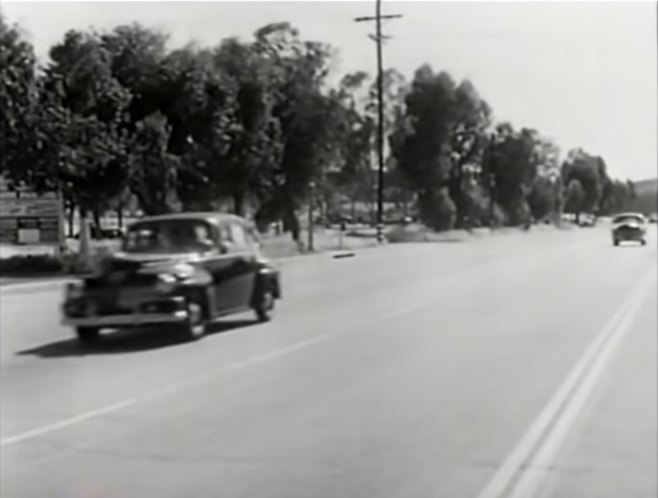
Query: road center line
x=405, y=310
x=513, y=465
x=535, y=471
x=62, y=424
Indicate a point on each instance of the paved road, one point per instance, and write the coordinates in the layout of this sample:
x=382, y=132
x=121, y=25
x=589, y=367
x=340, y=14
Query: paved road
x=513, y=366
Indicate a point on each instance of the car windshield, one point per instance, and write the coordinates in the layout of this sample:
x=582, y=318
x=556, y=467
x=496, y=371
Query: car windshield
x=628, y=218
x=168, y=236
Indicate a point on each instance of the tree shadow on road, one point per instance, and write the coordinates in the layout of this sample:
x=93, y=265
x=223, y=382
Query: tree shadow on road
x=128, y=341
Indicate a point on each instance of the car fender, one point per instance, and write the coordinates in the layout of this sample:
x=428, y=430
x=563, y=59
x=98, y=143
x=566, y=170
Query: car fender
x=267, y=278
x=198, y=286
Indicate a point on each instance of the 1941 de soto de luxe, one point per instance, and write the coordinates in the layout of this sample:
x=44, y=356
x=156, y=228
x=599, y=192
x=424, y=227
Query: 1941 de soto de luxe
x=183, y=270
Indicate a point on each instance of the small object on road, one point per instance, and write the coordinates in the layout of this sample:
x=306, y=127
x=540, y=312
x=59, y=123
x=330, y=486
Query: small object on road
x=184, y=270
x=344, y=255
x=629, y=227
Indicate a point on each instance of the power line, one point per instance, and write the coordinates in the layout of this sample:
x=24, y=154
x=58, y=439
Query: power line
x=379, y=38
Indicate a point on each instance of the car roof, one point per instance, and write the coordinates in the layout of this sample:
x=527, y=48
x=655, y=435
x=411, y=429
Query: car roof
x=212, y=217
x=629, y=215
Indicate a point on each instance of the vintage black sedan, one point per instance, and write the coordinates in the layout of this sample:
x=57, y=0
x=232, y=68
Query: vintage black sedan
x=183, y=269
x=629, y=227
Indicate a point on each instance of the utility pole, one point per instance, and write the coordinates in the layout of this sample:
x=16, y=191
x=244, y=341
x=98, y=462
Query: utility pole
x=378, y=38
x=492, y=181
x=310, y=217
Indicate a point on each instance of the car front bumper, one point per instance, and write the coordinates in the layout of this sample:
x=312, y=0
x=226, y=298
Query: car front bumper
x=629, y=235
x=130, y=320
x=80, y=314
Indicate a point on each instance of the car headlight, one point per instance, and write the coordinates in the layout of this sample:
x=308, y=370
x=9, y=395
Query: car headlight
x=183, y=271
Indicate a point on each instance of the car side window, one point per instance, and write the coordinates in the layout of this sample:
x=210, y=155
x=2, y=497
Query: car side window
x=252, y=236
x=223, y=234
x=238, y=236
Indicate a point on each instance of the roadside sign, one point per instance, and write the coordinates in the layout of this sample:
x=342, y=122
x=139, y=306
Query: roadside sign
x=29, y=218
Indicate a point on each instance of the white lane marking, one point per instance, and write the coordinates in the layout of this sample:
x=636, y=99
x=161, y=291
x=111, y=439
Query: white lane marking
x=405, y=310
x=182, y=385
x=506, y=473
x=535, y=472
x=40, y=431
x=64, y=423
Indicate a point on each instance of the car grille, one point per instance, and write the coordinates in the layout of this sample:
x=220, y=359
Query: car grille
x=629, y=230
x=116, y=300
x=139, y=280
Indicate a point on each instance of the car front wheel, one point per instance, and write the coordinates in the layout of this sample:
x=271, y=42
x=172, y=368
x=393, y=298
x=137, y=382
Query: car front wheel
x=615, y=242
x=265, y=306
x=88, y=335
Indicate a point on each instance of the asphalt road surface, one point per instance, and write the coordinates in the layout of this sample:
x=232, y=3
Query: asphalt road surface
x=514, y=366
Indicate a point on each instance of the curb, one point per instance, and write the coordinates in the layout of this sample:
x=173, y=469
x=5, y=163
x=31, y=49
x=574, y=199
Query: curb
x=17, y=287
x=14, y=285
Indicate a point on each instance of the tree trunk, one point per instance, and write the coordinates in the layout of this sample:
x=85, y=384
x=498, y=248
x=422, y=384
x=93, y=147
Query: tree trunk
x=84, y=248
x=120, y=217
x=238, y=203
x=97, y=223
x=291, y=223
x=71, y=220
x=455, y=189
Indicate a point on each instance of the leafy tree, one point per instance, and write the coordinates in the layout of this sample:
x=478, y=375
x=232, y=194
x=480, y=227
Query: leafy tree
x=421, y=141
x=199, y=117
x=590, y=171
x=254, y=134
x=307, y=119
x=153, y=168
x=179, y=96
x=616, y=197
x=542, y=199
x=88, y=109
x=441, y=141
x=18, y=87
x=513, y=163
x=468, y=142
x=137, y=56
x=575, y=197
x=355, y=175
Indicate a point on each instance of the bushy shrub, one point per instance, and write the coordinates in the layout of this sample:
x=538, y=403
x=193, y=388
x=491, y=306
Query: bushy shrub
x=438, y=211
x=50, y=264
x=31, y=264
x=407, y=233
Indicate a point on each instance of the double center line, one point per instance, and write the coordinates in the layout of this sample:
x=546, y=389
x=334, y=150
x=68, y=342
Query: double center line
x=524, y=470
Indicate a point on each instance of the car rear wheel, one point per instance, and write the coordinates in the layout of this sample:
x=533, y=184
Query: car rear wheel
x=195, y=326
x=88, y=335
x=265, y=306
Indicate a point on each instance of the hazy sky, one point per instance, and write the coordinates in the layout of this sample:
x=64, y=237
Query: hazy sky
x=584, y=74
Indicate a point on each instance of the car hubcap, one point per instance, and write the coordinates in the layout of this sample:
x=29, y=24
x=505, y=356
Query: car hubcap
x=268, y=301
x=195, y=318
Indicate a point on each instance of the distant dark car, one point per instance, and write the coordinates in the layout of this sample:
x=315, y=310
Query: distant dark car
x=629, y=227
x=185, y=270
x=653, y=218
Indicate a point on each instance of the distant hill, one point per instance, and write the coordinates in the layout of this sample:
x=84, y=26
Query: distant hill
x=647, y=196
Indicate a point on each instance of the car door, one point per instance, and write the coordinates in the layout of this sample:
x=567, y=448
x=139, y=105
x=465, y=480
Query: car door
x=230, y=270
x=244, y=271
